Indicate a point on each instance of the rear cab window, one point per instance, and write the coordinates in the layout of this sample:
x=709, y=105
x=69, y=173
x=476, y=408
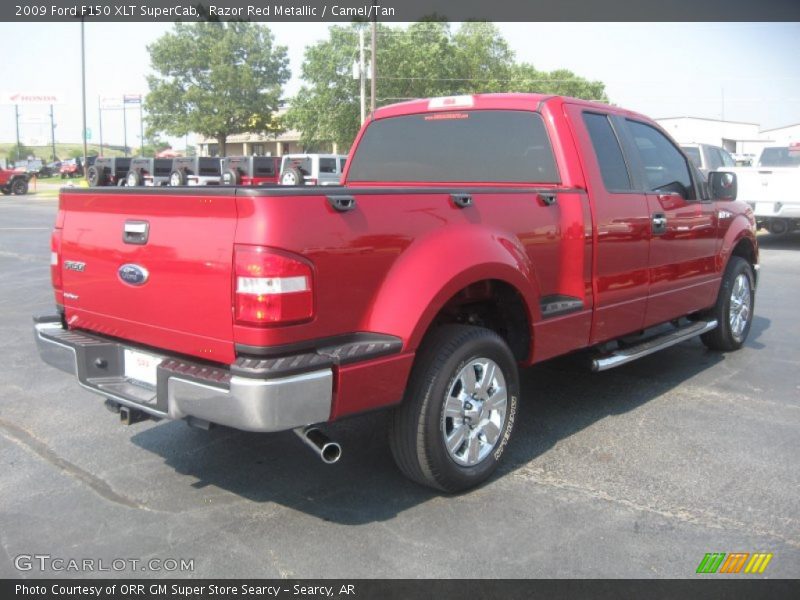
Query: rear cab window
x=608, y=152
x=327, y=165
x=263, y=166
x=470, y=146
x=303, y=164
x=785, y=156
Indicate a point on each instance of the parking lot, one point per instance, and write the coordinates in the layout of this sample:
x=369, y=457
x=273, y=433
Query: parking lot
x=634, y=472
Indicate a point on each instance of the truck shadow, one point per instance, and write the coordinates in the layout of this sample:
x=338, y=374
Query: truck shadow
x=559, y=398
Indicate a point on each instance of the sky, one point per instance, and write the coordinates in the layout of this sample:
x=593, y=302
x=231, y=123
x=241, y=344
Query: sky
x=740, y=71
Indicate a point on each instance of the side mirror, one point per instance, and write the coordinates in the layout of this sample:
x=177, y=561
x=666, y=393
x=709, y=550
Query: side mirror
x=723, y=185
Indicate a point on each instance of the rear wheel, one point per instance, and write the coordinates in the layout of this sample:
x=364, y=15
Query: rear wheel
x=778, y=227
x=231, y=177
x=459, y=410
x=292, y=176
x=734, y=308
x=133, y=178
x=19, y=186
x=177, y=178
x=94, y=176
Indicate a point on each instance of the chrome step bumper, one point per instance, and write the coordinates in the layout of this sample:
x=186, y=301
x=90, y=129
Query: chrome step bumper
x=185, y=389
x=626, y=355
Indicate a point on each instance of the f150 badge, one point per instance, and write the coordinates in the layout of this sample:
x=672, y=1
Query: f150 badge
x=133, y=274
x=74, y=265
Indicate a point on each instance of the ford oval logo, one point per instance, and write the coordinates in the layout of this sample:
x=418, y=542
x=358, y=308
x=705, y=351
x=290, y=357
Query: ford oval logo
x=133, y=274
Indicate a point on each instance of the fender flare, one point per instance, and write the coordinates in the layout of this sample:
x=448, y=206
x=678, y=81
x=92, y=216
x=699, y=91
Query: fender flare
x=739, y=229
x=435, y=267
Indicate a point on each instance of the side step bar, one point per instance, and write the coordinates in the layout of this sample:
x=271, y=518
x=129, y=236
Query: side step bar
x=626, y=355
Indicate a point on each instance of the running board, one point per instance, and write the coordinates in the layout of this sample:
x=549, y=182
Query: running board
x=626, y=355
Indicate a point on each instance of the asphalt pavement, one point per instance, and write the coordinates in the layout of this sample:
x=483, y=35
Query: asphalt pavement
x=635, y=472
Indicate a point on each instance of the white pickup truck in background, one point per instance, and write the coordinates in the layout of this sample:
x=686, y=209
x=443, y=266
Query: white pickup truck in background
x=772, y=188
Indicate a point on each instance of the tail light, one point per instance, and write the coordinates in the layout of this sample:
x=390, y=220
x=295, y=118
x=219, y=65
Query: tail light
x=55, y=259
x=271, y=287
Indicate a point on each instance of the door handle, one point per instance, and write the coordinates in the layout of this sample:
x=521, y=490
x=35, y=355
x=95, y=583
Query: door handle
x=659, y=223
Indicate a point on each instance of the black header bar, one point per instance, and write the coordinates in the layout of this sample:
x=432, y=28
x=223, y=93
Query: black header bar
x=405, y=589
x=399, y=10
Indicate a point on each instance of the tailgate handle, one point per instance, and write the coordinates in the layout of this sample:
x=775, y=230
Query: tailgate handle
x=342, y=203
x=136, y=232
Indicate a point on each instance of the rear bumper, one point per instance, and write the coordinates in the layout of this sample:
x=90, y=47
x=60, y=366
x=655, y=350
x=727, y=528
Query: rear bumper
x=204, y=180
x=191, y=390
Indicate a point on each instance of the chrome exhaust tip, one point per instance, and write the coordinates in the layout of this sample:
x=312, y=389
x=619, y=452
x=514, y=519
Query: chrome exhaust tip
x=327, y=450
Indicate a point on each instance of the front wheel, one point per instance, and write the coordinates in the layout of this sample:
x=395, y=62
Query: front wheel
x=19, y=186
x=458, y=413
x=734, y=308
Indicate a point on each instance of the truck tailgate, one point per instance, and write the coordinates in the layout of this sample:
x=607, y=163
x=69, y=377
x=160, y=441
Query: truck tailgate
x=165, y=283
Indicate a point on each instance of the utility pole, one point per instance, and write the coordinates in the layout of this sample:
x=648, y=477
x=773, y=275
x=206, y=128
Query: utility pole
x=53, y=132
x=83, y=97
x=16, y=120
x=362, y=69
x=125, y=125
x=141, y=128
x=374, y=73
x=100, y=120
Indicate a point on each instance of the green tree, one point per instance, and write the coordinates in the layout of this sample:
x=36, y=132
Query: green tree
x=525, y=78
x=216, y=79
x=426, y=59
x=152, y=147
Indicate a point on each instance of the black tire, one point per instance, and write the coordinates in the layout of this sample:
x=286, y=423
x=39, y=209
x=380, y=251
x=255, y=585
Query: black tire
x=6, y=190
x=728, y=336
x=418, y=427
x=95, y=177
x=292, y=176
x=778, y=227
x=177, y=177
x=63, y=175
x=231, y=177
x=19, y=186
x=133, y=178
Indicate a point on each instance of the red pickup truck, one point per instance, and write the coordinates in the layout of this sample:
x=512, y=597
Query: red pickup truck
x=472, y=235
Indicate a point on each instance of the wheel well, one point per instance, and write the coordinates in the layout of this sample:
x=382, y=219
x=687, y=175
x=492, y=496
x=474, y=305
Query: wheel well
x=745, y=250
x=495, y=305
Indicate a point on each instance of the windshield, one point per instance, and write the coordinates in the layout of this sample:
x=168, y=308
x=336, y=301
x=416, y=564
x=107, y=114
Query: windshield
x=480, y=146
x=779, y=157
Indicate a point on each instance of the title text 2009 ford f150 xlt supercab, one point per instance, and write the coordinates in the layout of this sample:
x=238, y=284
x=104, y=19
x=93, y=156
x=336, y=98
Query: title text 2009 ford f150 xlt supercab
x=472, y=235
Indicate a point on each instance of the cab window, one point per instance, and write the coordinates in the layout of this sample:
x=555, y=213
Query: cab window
x=665, y=167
